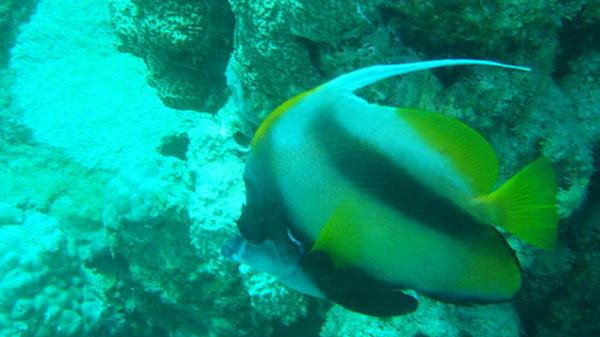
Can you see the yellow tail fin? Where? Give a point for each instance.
(526, 204)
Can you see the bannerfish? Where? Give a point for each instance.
(356, 202)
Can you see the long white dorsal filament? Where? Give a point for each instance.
(363, 77)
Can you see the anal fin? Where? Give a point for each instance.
(357, 291)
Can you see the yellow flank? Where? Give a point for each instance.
(470, 153)
(266, 124)
(361, 234)
(492, 269)
(341, 236)
(526, 204)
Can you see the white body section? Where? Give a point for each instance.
(307, 179)
(296, 158)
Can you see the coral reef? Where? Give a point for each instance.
(141, 201)
(432, 319)
(167, 222)
(146, 217)
(185, 45)
(116, 228)
(271, 299)
(71, 48)
(50, 230)
(46, 290)
(216, 160)
(152, 224)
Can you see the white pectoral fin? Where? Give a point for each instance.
(300, 281)
(360, 78)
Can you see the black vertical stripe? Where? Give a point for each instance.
(376, 174)
(264, 216)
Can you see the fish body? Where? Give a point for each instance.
(375, 200)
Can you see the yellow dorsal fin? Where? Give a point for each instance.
(268, 122)
(341, 236)
(526, 204)
(470, 153)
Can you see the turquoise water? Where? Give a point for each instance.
(125, 126)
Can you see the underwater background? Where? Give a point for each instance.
(124, 126)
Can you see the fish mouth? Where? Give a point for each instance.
(233, 249)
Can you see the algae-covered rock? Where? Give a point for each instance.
(572, 269)
(185, 45)
(268, 64)
(432, 319)
(271, 300)
(12, 130)
(168, 221)
(561, 296)
(516, 31)
(330, 20)
(12, 14)
(526, 115)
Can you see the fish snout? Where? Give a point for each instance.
(233, 249)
